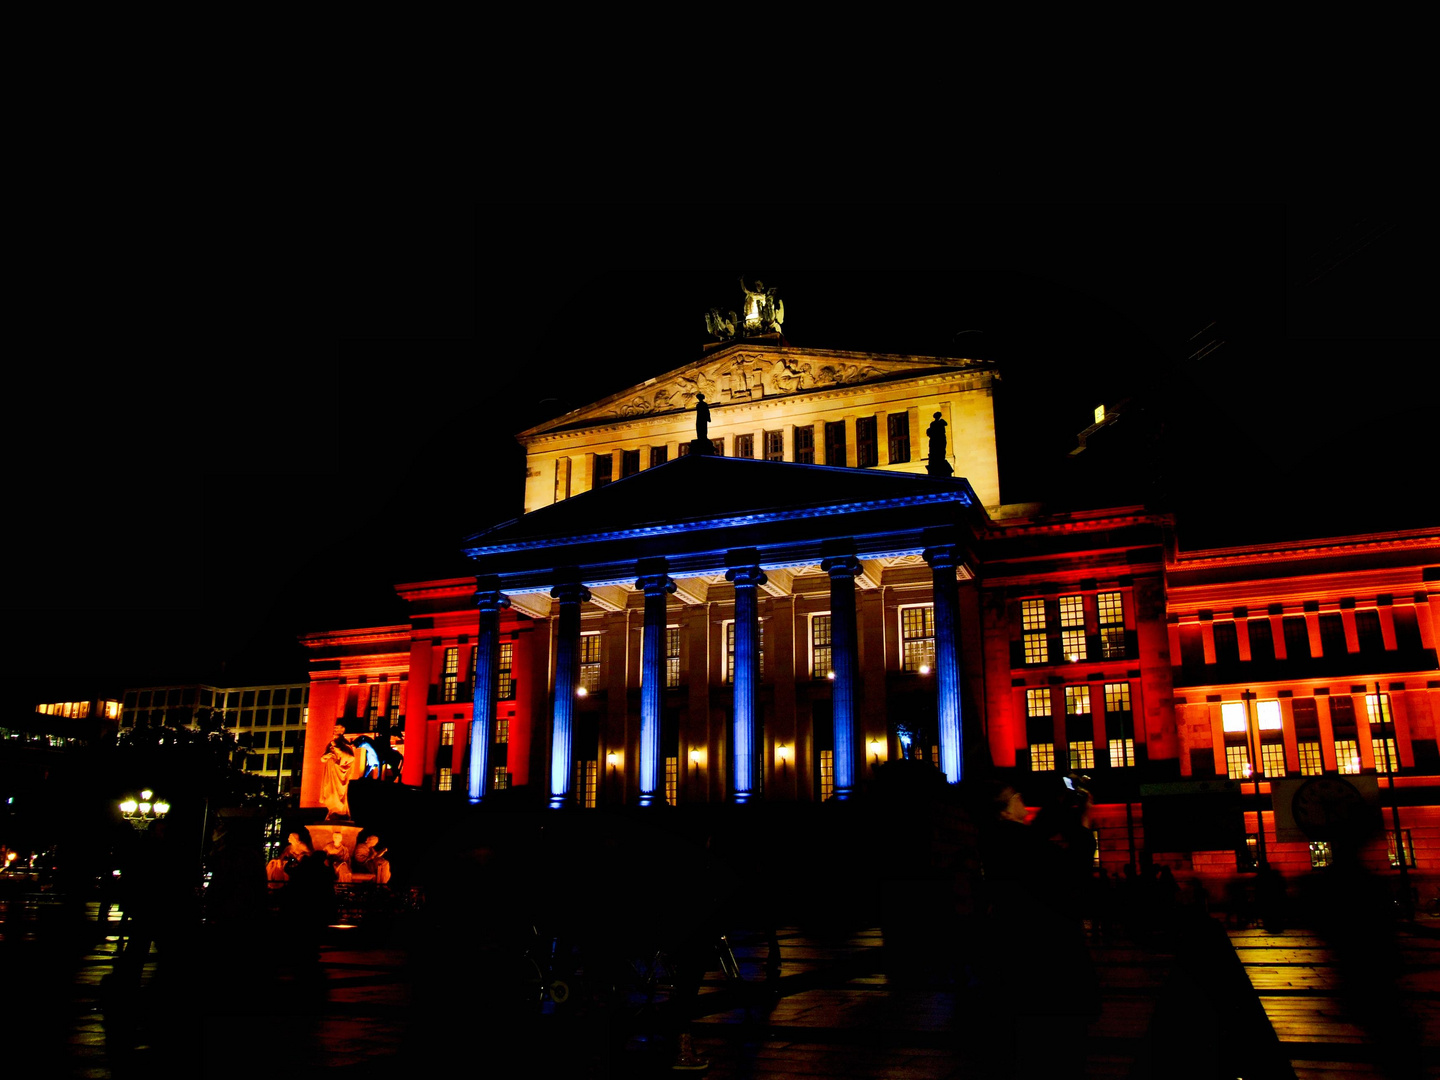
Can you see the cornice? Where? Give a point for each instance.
(328, 638)
(1310, 549)
(421, 590)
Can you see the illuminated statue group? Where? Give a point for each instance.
(760, 313)
(366, 862)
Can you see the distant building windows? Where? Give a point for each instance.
(1377, 707)
(1367, 629)
(502, 778)
(1297, 638)
(899, 433)
(443, 779)
(587, 777)
(820, 659)
(629, 462)
(730, 649)
(867, 450)
(718, 445)
(1042, 757)
(604, 464)
(396, 696)
(1037, 702)
(502, 730)
(1272, 759)
(1347, 756)
(827, 774)
(372, 708)
(1122, 753)
(450, 679)
(1227, 642)
(1233, 718)
(917, 637)
(659, 455)
(1077, 701)
(1312, 761)
(835, 442)
(682, 450)
(1268, 715)
(805, 444)
(506, 691)
(672, 657)
(1405, 845)
(1320, 856)
(1117, 697)
(1072, 627)
(447, 733)
(745, 446)
(590, 661)
(1032, 622)
(1111, 611)
(672, 780)
(1237, 762)
(1082, 754)
(774, 446)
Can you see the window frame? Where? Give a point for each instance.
(927, 622)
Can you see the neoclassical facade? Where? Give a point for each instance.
(820, 593)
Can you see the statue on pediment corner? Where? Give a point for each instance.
(719, 326)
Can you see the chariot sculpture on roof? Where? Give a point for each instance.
(760, 313)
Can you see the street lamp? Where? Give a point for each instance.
(141, 812)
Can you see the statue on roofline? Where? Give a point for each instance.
(760, 313)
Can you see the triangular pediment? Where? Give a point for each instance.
(745, 372)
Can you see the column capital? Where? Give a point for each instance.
(744, 576)
(488, 596)
(652, 577)
(841, 565)
(570, 592)
(942, 556)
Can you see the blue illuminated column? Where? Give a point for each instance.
(656, 585)
(570, 595)
(942, 562)
(845, 662)
(490, 600)
(747, 576)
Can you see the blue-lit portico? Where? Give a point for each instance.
(695, 551)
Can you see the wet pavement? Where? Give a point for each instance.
(830, 1009)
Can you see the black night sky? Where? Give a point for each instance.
(255, 484)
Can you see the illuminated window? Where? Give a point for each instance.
(1272, 759)
(590, 661)
(1347, 756)
(1386, 760)
(447, 733)
(507, 678)
(604, 464)
(1237, 762)
(1042, 757)
(1122, 753)
(1111, 609)
(1072, 611)
(827, 774)
(659, 455)
(1082, 754)
(442, 779)
(672, 656)
(718, 445)
(372, 709)
(805, 444)
(1077, 701)
(1319, 854)
(629, 462)
(1377, 706)
(1268, 715)
(1232, 717)
(1405, 846)
(867, 452)
(730, 648)
(502, 730)
(450, 683)
(835, 442)
(1117, 697)
(1032, 618)
(502, 778)
(1037, 702)
(1312, 761)
(1072, 644)
(672, 780)
(745, 446)
(898, 425)
(587, 776)
(820, 657)
(774, 446)
(917, 637)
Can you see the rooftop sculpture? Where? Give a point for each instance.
(760, 313)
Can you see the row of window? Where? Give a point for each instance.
(450, 678)
(1295, 640)
(1057, 628)
(232, 699)
(81, 709)
(772, 446)
(1270, 725)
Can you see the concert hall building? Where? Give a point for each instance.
(830, 581)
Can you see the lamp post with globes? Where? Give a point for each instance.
(145, 810)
